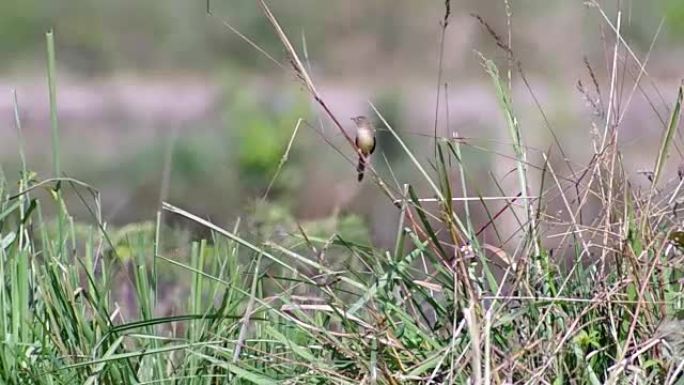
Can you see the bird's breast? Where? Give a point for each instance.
(365, 140)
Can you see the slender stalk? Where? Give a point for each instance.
(52, 87)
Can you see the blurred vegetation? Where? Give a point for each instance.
(99, 36)
(273, 298)
(233, 150)
(258, 129)
(674, 16)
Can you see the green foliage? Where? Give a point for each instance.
(261, 145)
(674, 11)
(20, 25)
(258, 130)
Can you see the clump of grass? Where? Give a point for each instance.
(442, 306)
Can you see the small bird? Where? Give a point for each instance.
(365, 142)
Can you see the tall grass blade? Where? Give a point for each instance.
(52, 87)
(520, 154)
(666, 142)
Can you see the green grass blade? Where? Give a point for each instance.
(52, 86)
(666, 142)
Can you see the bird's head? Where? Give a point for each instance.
(360, 120)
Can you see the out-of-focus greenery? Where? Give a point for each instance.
(21, 23)
(674, 11)
(258, 129)
(97, 36)
(273, 219)
(393, 109)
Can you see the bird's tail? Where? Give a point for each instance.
(361, 167)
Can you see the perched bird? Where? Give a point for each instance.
(365, 142)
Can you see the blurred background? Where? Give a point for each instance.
(158, 100)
